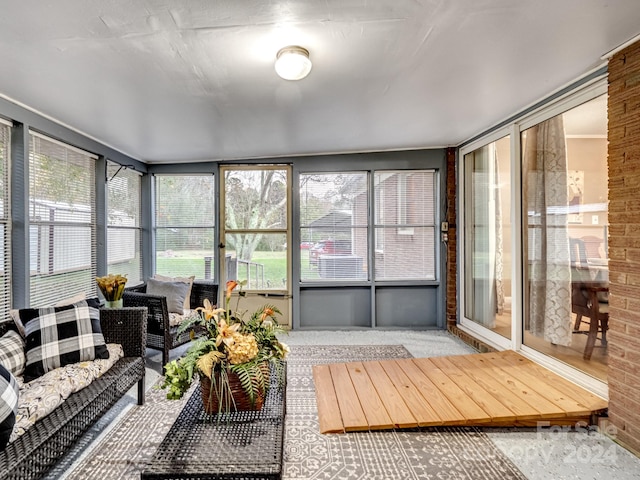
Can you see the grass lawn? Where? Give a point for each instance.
(193, 263)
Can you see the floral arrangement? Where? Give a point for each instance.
(111, 286)
(231, 344)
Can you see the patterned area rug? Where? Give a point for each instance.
(444, 453)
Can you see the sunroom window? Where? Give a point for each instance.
(123, 223)
(62, 221)
(185, 225)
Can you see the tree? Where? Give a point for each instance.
(254, 200)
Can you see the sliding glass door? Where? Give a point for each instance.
(542, 214)
(487, 235)
(565, 259)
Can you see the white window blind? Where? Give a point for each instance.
(123, 223)
(185, 225)
(62, 238)
(334, 218)
(405, 230)
(5, 234)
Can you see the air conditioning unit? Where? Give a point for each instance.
(340, 266)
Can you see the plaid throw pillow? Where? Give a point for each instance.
(9, 391)
(12, 352)
(58, 336)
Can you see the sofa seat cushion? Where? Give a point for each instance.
(43, 395)
(176, 319)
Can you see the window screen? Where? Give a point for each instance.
(333, 226)
(255, 216)
(123, 223)
(5, 235)
(405, 230)
(185, 225)
(62, 240)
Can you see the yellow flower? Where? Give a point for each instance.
(111, 286)
(226, 332)
(209, 311)
(244, 349)
(283, 349)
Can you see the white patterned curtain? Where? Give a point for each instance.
(486, 225)
(546, 173)
(499, 288)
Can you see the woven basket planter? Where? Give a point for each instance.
(241, 400)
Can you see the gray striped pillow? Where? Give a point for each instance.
(12, 352)
(9, 392)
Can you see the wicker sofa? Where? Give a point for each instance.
(160, 334)
(33, 453)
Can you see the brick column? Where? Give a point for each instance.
(452, 273)
(624, 245)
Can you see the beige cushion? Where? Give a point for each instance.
(43, 395)
(15, 313)
(176, 319)
(189, 280)
(71, 300)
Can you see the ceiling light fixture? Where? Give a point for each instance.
(292, 62)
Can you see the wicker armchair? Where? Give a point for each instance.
(160, 335)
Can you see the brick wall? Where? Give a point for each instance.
(452, 274)
(624, 245)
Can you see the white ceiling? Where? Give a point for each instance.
(193, 80)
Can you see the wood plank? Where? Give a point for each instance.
(400, 414)
(496, 410)
(546, 408)
(405, 393)
(329, 416)
(431, 394)
(570, 389)
(525, 372)
(484, 376)
(353, 417)
(372, 405)
(465, 405)
(421, 410)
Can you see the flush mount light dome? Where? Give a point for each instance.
(292, 62)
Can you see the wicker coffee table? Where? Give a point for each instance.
(239, 445)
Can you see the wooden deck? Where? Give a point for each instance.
(487, 389)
